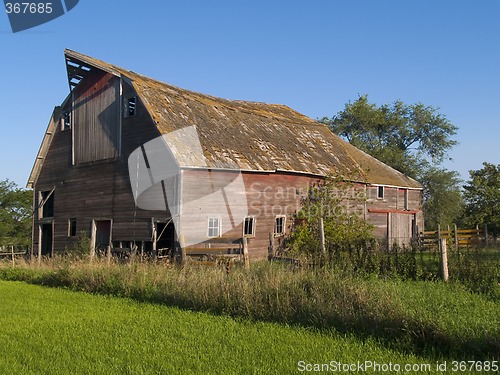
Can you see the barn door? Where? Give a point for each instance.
(401, 229)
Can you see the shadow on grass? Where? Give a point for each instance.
(303, 302)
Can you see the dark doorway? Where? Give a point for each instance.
(102, 235)
(46, 239)
(165, 236)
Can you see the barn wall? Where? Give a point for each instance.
(265, 195)
(271, 194)
(99, 190)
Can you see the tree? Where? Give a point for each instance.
(339, 204)
(482, 197)
(443, 202)
(15, 214)
(414, 139)
(403, 136)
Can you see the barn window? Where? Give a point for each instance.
(214, 227)
(407, 203)
(72, 227)
(279, 225)
(46, 203)
(66, 121)
(249, 226)
(131, 107)
(380, 192)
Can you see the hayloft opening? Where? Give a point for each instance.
(46, 199)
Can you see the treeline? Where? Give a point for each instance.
(415, 139)
(15, 214)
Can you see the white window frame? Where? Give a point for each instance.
(252, 234)
(282, 233)
(213, 227)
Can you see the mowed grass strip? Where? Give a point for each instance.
(55, 331)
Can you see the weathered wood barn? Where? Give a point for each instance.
(88, 174)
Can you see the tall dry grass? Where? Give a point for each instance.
(323, 299)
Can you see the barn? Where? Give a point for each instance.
(137, 163)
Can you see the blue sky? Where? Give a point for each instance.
(313, 56)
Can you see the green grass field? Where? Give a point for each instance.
(55, 331)
(152, 318)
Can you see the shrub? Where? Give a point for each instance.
(337, 202)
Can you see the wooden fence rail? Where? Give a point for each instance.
(13, 251)
(455, 237)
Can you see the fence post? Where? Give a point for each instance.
(245, 253)
(456, 236)
(444, 258)
(322, 235)
(271, 246)
(13, 258)
(485, 233)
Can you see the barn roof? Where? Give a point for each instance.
(245, 135)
